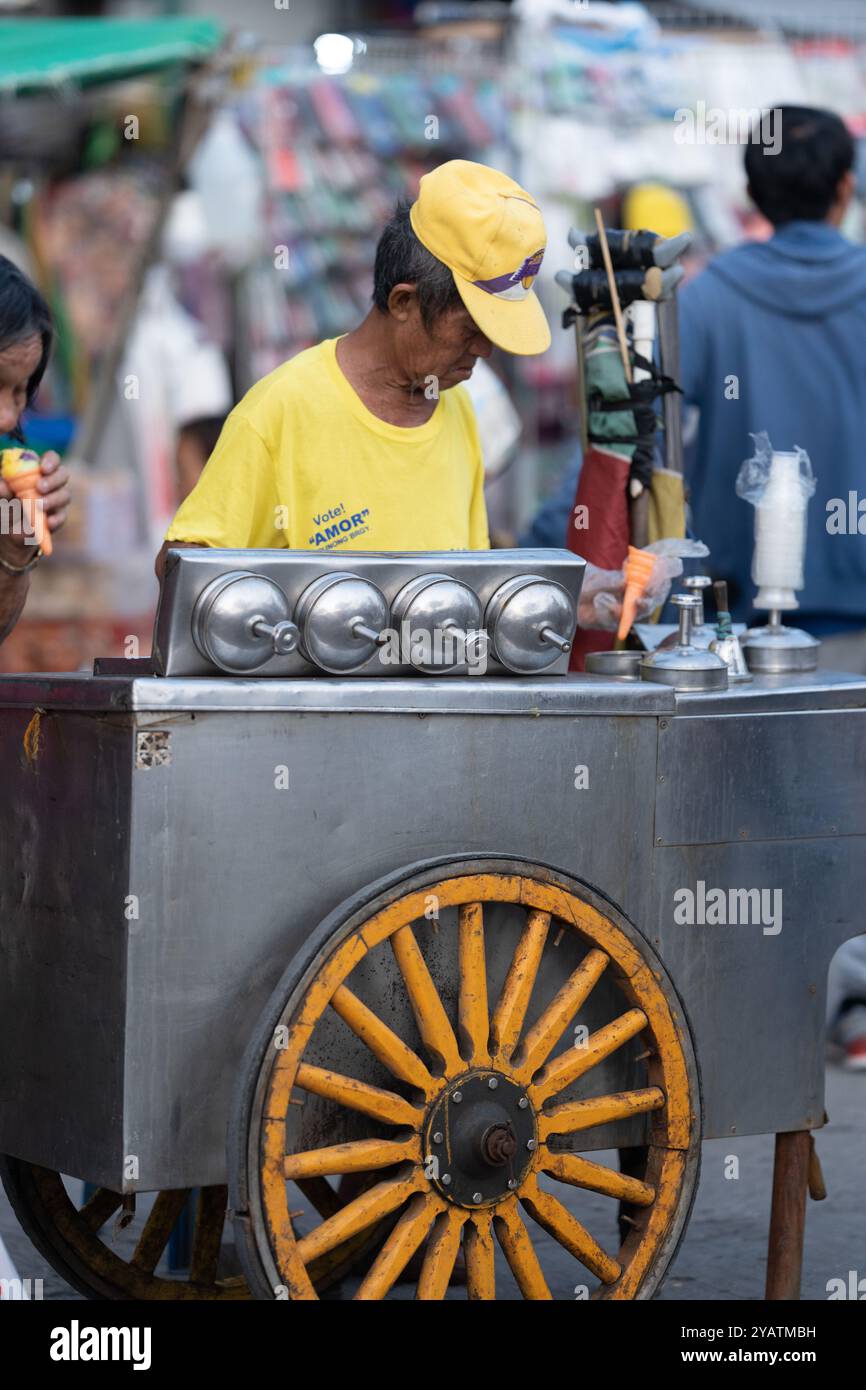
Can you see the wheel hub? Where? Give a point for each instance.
(480, 1139)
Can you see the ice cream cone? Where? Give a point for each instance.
(638, 570)
(19, 469)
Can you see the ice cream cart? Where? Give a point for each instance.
(383, 960)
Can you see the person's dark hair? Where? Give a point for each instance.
(23, 314)
(402, 259)
(204, 430)
(800, 181)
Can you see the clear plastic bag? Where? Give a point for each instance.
(602, 590)
(778, 485)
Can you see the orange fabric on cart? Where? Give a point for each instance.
(602, 490)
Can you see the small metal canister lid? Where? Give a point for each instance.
(522, 615)
(224, 615)
(685, 669)
(329, 614)
(437, 602)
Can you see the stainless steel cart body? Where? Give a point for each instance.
(170, 843)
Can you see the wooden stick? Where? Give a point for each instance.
(581, 385)
(614, 295)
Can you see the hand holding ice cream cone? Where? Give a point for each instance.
(42, 486)
(20, 471)
(616, 599)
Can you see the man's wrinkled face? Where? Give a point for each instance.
(445, 353)
(18, 362)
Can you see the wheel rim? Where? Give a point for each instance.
(494, 1164)
(77, 1241)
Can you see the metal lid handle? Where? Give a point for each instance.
(284, 636)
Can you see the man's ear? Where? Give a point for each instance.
(402, 301)
(845, 189)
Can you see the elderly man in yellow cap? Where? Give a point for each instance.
(367, 442)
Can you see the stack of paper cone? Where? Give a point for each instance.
(19, 469)
(638, 570)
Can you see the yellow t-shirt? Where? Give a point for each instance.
(302, 463)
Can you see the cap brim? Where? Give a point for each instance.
(515, 325)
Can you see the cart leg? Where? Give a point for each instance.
(788, 1215)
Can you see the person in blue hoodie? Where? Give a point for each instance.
(772, 339)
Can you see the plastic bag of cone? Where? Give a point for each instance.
(637, 572)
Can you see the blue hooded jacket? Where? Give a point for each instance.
(787, 318)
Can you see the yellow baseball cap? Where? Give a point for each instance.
(654, 205)
(490, 233)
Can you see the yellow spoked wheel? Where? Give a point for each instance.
(107, 1253)
(487, 1007)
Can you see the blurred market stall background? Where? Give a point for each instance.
(198, 188)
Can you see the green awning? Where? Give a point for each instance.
(38, 54)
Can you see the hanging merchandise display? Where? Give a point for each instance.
(92, 126)
(336, 154)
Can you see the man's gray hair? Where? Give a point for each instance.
(402, 259)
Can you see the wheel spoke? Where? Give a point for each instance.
(513, 1002)
(356, 1216)
(209, 1222)
(441, 1255)
(381, 1105)
(391, 1050)
(545, 1034)
(473, 1010)
(478, 1248)
(554, 1218)
(404, 1240)
(158, 1227)
(357, 1156)
(599, 1110)
(580, 1172)
(520, 1253)
(98, 1207)
(433, 1023)
(566, 1068)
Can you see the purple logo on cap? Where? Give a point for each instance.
(518, 283)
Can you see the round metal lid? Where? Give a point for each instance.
(686, 668)
(616, 665)
(773, 650)
(340, 617)
(531, 621)
(434, 605)
(225, 615)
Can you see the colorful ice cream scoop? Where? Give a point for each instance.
(19, 469)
